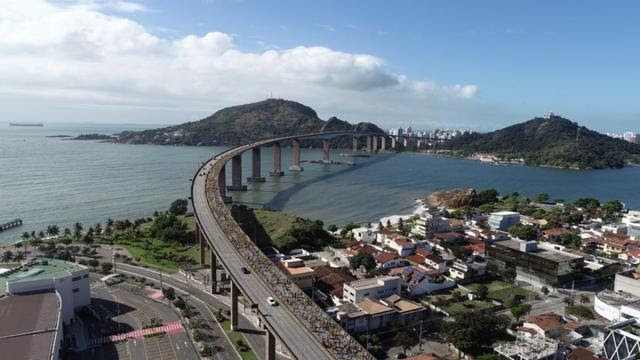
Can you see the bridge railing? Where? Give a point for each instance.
(329, 333)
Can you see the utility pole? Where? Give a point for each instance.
(113, 259)
(161, 288)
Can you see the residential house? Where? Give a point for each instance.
(296, 271)
(435, 262)
(364, 234)
(389, 260)
(330, 281)
(462, 270)
(615, 243)
(374, 288)
(547, 324)
(417, 281)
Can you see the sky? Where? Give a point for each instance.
(426, 64)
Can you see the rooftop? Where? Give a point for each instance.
(504, 213)
(553, 255)
(38, 269)
(372, 283)
(29, 325)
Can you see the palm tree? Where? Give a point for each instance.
(41, 234)
(77, 230)
(7, 256)
(67, 232)
(98, 228)
(25, 236)
(53, 230)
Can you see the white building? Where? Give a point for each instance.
(375, 288)
(429, 224)
(364, 234)
(503, 220)
(69, 280)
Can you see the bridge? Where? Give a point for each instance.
(301, 326)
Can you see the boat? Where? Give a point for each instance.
(26, 124)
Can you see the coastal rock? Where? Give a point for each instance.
(451, 199)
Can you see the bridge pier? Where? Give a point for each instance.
(383, 143)
(200, 240)
(419, 143)
(393, 142)
(214, 272)
(354, 143)
(270, 345)
(236, 175)
(369, 141)
(405, 141)
(277, 160)
(234, 306)
(255, 166)
(296, 156)
(375, 144)
(222, 185)
(325, 151)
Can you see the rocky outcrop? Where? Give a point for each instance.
(335, 124)
(451, 199)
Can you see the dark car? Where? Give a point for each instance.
(245, 270)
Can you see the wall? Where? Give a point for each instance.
(627, 285)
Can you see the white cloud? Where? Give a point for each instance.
(78, 53)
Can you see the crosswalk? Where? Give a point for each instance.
(169, 328)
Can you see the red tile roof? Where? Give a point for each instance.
(546, 321)
(385, 257)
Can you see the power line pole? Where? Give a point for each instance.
(420, 345)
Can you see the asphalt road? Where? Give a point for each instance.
(254, 336)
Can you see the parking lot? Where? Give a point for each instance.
(126, 309)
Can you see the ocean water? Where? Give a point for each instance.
(47, 180)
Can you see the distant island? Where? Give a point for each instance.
(244, 124)
(550, 141)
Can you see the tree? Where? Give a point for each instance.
(167, 227)
(545, 290)
(7, 256)
(362, 259)
(77, 230)
(169, 293)
(587, 203)
(93, 263)
(53, 230)
(380, 226)
(179, 207)
(41, 234)
(25, 236)
(524, 232)
(405, 340)
(571, 240)
(106, 267)
(542, 197)
(332, 228)
(98, 229)
(487, 196)
(519, 310)
(475, 332)
(388, 223)
(613, 207)
(482, 291)
(67, 232)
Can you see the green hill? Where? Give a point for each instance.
(553, 141)
(243, 124)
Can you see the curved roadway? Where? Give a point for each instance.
(304, 329)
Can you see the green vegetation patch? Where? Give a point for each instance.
(503, 291)
(236, 338)
(466, 306)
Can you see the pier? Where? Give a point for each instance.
(10, 224)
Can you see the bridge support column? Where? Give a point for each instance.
(222, 185)
(270, 345)
(325, 151)
(405, 141)
(255, 166)
(419, 143)
(354, 142)
(234, 306)
(375, 144)
(200, 239)
(277, 160)
(383, 143)
(369, 141)
(393, 142)
(296, 156)
(236, 175)
(214, 272)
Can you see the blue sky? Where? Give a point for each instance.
(484, 64)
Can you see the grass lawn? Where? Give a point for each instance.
(466, 306)
(235, 336)
(277, 224)
(9, 265)
(501, 291)
(151, 255)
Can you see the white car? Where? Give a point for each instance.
(271, 301)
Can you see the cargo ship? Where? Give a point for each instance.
(26, 124)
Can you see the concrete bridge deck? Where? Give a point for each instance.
(302, 327)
